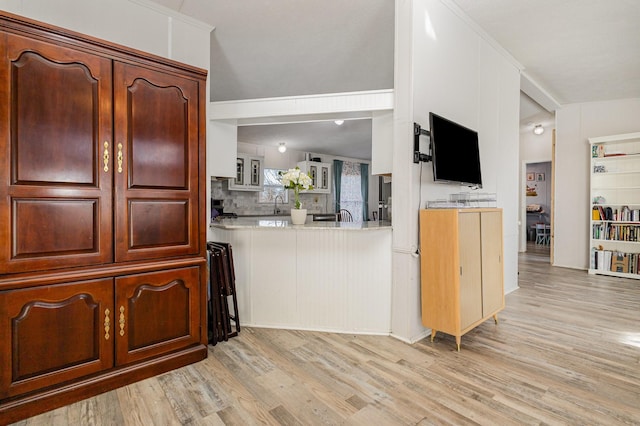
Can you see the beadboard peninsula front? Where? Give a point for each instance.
(323, 276)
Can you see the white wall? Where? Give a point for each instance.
(575, 123)
(455, 73)
(139, 24)
(535, 148)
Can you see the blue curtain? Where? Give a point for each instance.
(337, 181)
(364, 187)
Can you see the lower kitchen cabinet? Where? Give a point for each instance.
(63, 332)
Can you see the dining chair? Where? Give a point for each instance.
(542, 233)
(344, 215)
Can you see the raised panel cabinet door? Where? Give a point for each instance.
(157, 312)
(470, 269)
(56, 156)
(156, 172)
(492, 263)
(54, 333)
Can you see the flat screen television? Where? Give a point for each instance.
(455, 152)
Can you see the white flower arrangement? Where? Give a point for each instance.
(297, 180)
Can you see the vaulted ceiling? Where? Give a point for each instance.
(575, 50)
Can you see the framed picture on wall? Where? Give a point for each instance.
(540, 177)
(531, 176)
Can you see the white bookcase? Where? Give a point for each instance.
(615, 205)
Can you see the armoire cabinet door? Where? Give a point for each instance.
(55, 333)
(56, 127)
(157, 312)
(156, 173)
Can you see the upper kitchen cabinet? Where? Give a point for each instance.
(320, 174)
(222, 147)
(249, 174)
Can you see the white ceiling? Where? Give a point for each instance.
(351, 139)
(575, 50)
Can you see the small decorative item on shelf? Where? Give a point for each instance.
(296, 180)
(597, 151)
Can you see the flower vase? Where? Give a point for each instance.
(298, 216)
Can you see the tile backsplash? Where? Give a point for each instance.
(246, 202)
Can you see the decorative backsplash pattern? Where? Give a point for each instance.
(246, 203)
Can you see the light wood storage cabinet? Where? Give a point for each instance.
(102, 216)
(461, 269)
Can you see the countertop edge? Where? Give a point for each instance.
(280, 225)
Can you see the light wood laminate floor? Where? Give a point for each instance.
(566, 351)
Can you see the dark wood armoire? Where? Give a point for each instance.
(102, 216)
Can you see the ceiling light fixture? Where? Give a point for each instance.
(538, 129)
(282, 148)
(339, 122)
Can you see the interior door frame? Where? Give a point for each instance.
(523, 200)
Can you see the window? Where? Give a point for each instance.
(351, 191)
(273, 188)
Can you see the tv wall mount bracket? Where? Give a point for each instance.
(417, 155)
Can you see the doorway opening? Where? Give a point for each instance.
(538, 196)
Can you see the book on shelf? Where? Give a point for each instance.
(625, 214)
(619, 262)
(616, 232)
(615, 261)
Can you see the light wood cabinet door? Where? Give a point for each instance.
(492, 263)
(54, 333)
(156, 170)
(157, 312)
(470, 269)
(56, 196)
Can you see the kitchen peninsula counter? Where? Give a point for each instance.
(266, 222)
(324, 276)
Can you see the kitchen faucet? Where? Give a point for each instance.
(276, 210)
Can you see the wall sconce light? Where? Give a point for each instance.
(282, 148)
(338, 122)
(538, 129)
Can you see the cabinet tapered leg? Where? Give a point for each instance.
(433, 334)
(458, 339)
(495, 318)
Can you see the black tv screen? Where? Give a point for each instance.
(456, 157)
